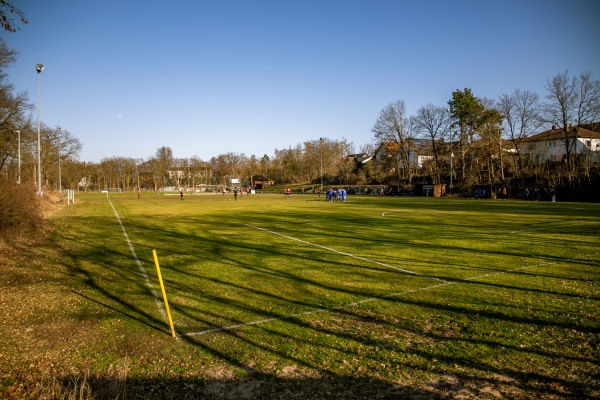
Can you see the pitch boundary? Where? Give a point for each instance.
(140, 266)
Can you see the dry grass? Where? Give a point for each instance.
(22, 212)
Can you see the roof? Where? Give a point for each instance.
(558, 134)
(594, 126)
(360, 157)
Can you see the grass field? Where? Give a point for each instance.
(378, 297)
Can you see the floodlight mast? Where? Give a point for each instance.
(59, 175)
(451, 155)
(39, 68)
(19, 153)
(321, 148)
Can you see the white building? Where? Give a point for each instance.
(550, 145)
(417, 156)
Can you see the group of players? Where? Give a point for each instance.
(335, 195)
(330, 195)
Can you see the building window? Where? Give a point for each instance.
(588, 143)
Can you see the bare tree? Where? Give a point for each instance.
(251, 169)
(13, 109)
(57, 144)
(312, 159)
(79, 175)
(489, 128)
(164, 161)
(432, 122)
(587, 99)
(521, 111)
(265, 164)
(6, 10)
(229, 164)
(393, 131)
(12, 118)
(198, 170)
(572, 101)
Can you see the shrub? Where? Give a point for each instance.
(21, 215)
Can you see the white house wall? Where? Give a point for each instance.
(554, 150)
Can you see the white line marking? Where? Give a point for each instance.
(343, 253)
(356, 303)
(159, 305)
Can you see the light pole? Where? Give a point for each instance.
(321, 149)
(39, 68)
(19, 152)
(451, 155)
(59, 175)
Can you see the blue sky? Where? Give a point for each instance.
(210, 77)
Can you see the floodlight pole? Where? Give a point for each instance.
(59, 175)
(39, 68)
(19, 152)
(451, 155)
(321, 149)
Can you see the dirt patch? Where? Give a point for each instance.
(51, 202)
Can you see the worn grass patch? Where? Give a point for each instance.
(377, 297)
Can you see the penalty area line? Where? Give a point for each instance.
(139, 264)
(406, 271)
(305, 313)
(356, 303)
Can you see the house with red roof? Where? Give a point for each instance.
(550, 145)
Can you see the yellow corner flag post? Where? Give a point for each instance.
(164, 294)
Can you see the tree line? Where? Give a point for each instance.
(463, 142)
(483, 138)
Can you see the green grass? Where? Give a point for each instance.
(412, 296)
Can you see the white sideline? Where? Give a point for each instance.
(159, 304)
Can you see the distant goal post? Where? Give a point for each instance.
(202, 188)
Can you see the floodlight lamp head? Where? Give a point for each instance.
(39, 68)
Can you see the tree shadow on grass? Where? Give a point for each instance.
(261, 385)
(270, 387)
(125, 314)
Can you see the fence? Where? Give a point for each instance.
(69, 194)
